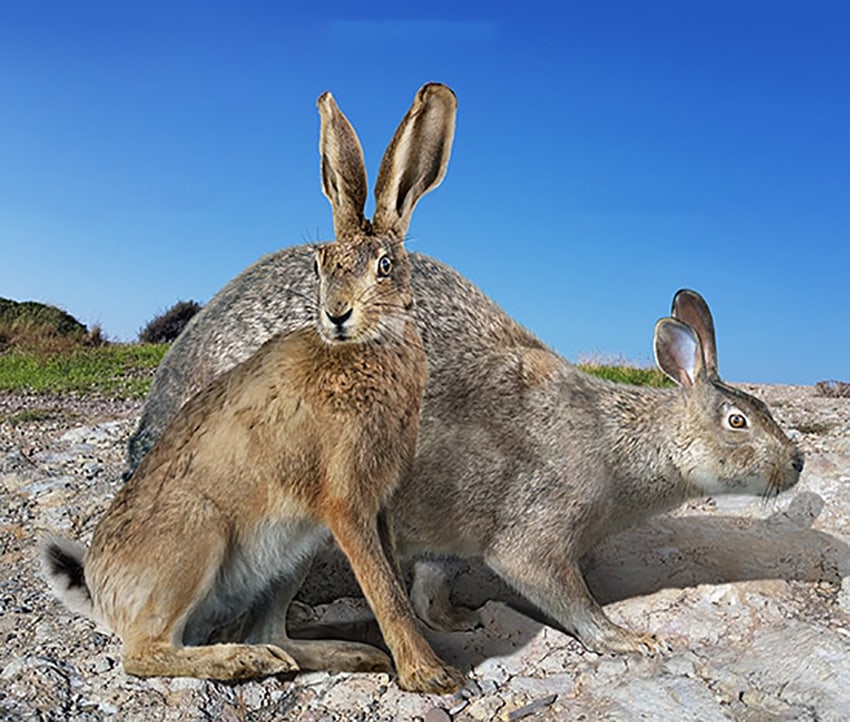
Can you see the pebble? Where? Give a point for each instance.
(437, 714)
(532, 708)
(749, 638)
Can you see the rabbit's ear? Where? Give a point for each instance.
(691, 308)
(415, 160)
(678, 353)
(343, 169)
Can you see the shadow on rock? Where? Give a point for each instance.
(677, 552)
(665, 552)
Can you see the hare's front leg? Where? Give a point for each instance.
(419, 669)
(553, 582)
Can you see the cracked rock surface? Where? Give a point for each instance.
(753, 596)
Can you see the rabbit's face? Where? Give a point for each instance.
(364, 289)
(738, 448)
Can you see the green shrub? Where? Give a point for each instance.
(30, 322)
(166, 327)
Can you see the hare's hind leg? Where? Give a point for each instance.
(269, 625)
(419, 669)
(554, 583)
(151, 599)
(216, 661)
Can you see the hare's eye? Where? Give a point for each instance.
(737, 421)
(385, 265)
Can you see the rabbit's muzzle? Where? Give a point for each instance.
(786, 476)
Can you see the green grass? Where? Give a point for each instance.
(627, 374)
(115, 370)
(126, 370)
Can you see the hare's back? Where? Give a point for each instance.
(277, 294)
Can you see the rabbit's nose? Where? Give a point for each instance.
(797, 462)
(339, 320)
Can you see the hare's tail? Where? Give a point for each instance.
(62, 564)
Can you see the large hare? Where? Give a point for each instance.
(310, 434)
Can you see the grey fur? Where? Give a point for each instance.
(522, 459)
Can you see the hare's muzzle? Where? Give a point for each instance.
(336, 325)
(339, 321)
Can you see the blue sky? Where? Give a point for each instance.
(606, 154)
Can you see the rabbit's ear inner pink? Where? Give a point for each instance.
(343, 169)
(416, 159)
(678, 352)
(691, 308)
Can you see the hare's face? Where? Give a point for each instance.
(364, 289)
(737, 447)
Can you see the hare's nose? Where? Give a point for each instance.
(797, 462)
(339, 320)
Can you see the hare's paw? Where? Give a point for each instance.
(263, 660)
(618, 640)
(353, 657)
(431, 679)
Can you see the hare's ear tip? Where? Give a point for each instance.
(687, 296)
(324, 99)
(434, 88)
(683, 292)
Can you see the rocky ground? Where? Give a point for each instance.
(754, 597)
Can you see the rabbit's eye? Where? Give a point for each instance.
(385, 265)
(737, 421)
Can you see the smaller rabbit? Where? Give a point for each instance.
(309, 435)
(590, 458)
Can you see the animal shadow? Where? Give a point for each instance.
(663, 553)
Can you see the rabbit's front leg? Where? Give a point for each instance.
(419, 669)
(553, 582)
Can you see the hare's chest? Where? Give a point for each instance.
(368, 389)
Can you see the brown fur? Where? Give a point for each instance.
(312, 433)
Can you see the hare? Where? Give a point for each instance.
(522, 459)
(308, 436)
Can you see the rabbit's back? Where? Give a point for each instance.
(459, 325)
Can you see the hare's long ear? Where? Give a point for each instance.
(415, 160)
(678, 352)
(343, 169)
(691, 308)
